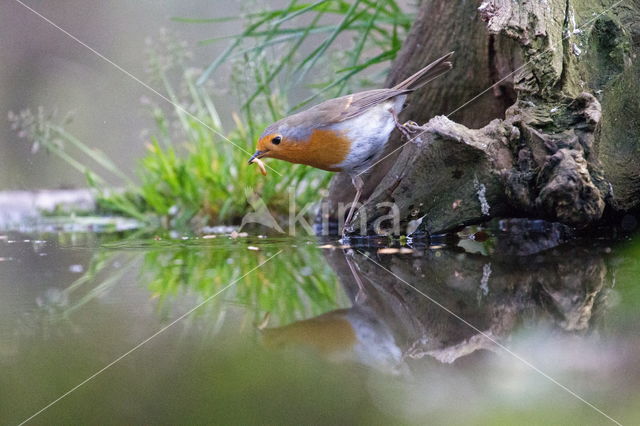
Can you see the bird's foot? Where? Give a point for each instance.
(348, 230)
(404, 130)
(401, 127)
(413, 127)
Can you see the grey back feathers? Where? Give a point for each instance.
(299, 126)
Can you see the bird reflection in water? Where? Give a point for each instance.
(520, 274)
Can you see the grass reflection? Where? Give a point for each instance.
(295, 284)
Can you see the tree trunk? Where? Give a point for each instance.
(555, 136)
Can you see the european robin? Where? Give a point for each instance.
(354, 334)
(357, 333)
(346, 134)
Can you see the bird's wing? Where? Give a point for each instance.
(361, 102)
(343, 108)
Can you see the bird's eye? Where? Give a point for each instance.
(276, 140)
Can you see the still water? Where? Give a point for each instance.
(510, 324)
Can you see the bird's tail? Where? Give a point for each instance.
(426, 74)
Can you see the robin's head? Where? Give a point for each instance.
(274, 142)
(302, 144)
(269, 145)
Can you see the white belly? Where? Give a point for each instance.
(369, 132)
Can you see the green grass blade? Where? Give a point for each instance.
(218, 61)
(299, 12)
(97, 156)
(311, 60)
(286, 60)
(362, 41)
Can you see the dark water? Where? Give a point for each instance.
(506, 325)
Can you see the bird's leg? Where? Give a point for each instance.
(358, 183)
(399, 126)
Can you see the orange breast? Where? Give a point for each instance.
(324, 150)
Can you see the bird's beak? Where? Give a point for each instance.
(257, 154)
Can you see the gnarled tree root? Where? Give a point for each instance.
(566, 146)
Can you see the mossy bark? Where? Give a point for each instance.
(557, 136)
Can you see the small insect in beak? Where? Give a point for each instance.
(255, 155)
(255, 158)
(261, 166)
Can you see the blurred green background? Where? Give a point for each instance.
(41, 66)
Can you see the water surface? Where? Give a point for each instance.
(505, 324)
